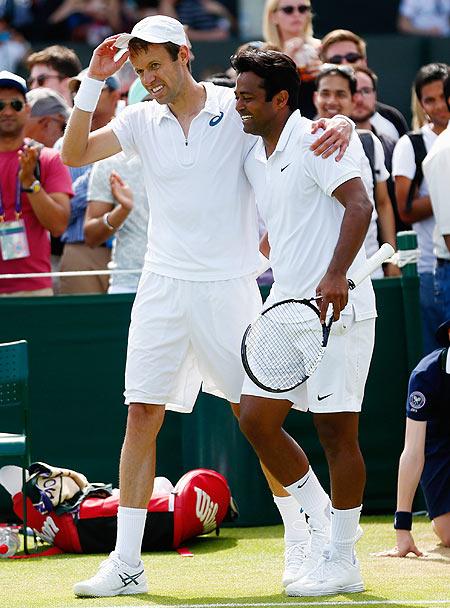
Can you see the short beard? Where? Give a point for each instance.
(364, 117)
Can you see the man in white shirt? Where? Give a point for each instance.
(335, 94)
(412, 193)
(436, 167)
(317, 217)
(202, 252)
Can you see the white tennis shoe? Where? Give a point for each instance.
(332, 575)
(295, 555)
(114, 577)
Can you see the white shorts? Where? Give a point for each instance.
(338, 383)
(185, 333)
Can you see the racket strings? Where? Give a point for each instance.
(284, 346)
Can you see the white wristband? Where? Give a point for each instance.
(88, 94)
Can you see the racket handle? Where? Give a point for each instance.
(385, 252)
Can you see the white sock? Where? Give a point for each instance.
(130, 530)
(296, 530)
(344, 524)
(313, 499)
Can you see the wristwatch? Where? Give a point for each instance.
(34, 188)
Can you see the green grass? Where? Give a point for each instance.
(242, 566)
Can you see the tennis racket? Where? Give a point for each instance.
(285, 344)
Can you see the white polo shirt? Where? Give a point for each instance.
(203, 223)
(436, 168)
(403, 163)
(294, 197)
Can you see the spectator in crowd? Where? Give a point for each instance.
(48, 116)
(288, 26)
(436, 167)
(204, 19)
(118, 206)
(429, 18)
(426, 455)
(13, 47)
(53, 67)
(412, 193)
(364, 107)
(336, 90)
(345, 47)
(35, 188)
(77, 255)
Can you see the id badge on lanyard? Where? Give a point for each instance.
(13, 234)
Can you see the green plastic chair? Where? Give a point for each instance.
(14, 413)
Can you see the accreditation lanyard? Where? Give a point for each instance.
(13, 235)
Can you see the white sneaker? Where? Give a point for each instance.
(114, 577)
(332, 575)
(319, 540)
(294, 556)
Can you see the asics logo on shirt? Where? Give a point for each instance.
(130, 578)
(215, 120)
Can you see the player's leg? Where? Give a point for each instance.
(122, 573)
(297, 534)
(335, 396)
(441, 527)
(157, 358)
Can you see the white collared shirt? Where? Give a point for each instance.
(203, 223)
(436, 168)
(294, 196)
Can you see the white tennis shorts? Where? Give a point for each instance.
(185, 335)
(338, 383)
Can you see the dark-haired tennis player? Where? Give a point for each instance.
(316, 214)
(198, 291)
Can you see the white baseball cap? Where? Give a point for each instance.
(156, 29)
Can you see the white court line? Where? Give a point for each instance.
(421, 603)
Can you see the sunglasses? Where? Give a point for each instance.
(349, 57)
(301, 8)
(42, 79)
(15, 104)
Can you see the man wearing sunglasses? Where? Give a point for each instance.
(35, 188)
(53, 67)
(343, 47)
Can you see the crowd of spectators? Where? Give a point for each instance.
(107, 206)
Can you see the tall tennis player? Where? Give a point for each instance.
(317, 214)
(198, 291)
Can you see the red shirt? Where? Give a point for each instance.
(55, 177)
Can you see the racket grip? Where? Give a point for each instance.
(384, 253)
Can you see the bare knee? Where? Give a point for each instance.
(145, 420)
(338, 433)
(441, 526)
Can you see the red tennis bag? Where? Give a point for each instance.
(198, 504)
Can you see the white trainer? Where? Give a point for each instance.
(294, 556)
(319, 540)
(332, 575)
(114, 577)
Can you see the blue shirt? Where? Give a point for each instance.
(80, 180)
(429, 400)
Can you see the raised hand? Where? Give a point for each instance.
(102, 64)
(121, 191)
(28, 157)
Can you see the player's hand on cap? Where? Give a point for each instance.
(332, 289)
(102, 64)
(335, 137)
